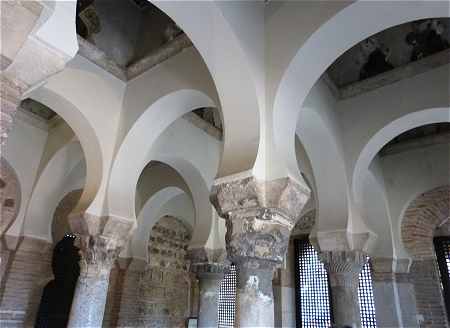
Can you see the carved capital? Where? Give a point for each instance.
(10, 96)
(259, 216)
(214, 271)
(100, 241)
(343, 267)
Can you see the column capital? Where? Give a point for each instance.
(101, 238)
(260, 215)
(343, 267)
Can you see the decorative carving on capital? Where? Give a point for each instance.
(260, 216)
(343, 267)
(101, 239)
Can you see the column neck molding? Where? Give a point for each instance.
(343, 267)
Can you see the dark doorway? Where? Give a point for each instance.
(54, 309)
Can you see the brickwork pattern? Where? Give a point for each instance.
(27, 271)
(422, 217)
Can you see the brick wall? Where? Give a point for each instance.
(27, 270)
(422, 217)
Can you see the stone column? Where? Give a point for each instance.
(259, 218)
(101, 240)
(343, 269)
(210, 276)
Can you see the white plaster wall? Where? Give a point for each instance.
(185, 70)
(362, 117)
(23, 151)
(408, 174)
(64, 172)
(89, 99)
(319, 131)
(375, 211)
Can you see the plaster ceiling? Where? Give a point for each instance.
(392, 48)
(125, 30)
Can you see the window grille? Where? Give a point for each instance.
(313, 293)
(227, 300)
(365, 296)
(313, 306)
(442, 246)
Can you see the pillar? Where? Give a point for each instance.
(210, 276)
(343, 269)
(100, 240)
(259, 217)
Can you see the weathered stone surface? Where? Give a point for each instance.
(343, 269)
(9, 196)
(259, 216)
(100, 241)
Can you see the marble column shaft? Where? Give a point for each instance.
(259, 217)
(100, 240)
(343, 269)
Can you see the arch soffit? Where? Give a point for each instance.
(213, 38)
(133, 153)
(294, 87)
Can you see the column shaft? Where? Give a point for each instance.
(255, 307)
(89, 301)
(209, 285)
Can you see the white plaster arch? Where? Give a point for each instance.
(133, 153)
(200, 197)
(86, 135)
(65, 172)
(231, 69)
(337, 35)
(386, 134)
(148, 217)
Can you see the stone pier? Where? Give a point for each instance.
(100, 240)
(259, 218)
(209, 275)
(343, 269)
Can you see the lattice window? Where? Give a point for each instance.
(442, 246)
(313, 293)
(227, 300)
(313, 306)
(365, 295)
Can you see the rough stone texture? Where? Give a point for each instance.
(100, 241)
(163, 53)
(423, 215)
(9, 195)
(343, 269)
(9, 101)
(424, 275)
(27, 269)
(260, 216)
(25, 61)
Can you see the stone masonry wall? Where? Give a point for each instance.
(157, 293)
(27, 270)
